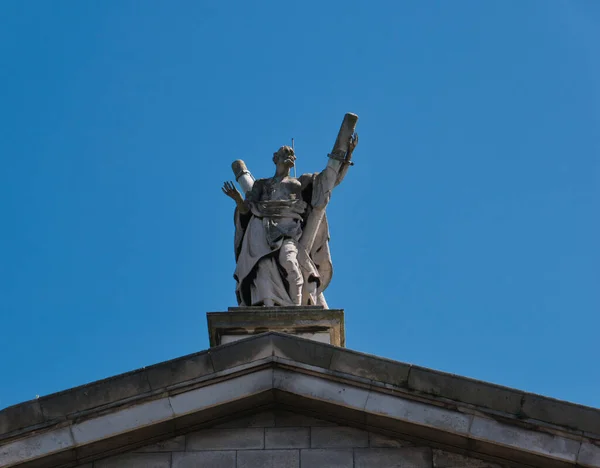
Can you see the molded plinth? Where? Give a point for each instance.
(311, 322)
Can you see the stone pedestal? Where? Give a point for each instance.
(311, 322)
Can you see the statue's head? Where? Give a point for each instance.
(285, 156)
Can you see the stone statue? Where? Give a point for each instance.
(281, 231)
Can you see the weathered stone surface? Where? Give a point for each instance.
(179, 370)
(127, 419)
(589, 455)
(287, 437)
(268, 459)
(384, 457)
(466, 390)
(309, 322)
(210, 459)
(329, 458)
(537, 442)
(226, 439)
(222, 392)
(562, 413)
(307, 352)
(313, 391)
(370, 367)
(289, 419)
(293, 209)
(95, 394)
(136, 460)
(176, 444)
(263, 419)
(346, 415)
(443, 459)
(241, 352)
(20, 416)
(319, 389)
(383, 441)
(338, 437)
(37, 446)
(418, 413)
(206, 416)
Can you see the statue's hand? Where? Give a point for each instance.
(352, 142)
(230, 190)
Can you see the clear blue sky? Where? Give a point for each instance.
(465, 239)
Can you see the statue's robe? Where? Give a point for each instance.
(260, 233)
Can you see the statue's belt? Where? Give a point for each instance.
(279, 209)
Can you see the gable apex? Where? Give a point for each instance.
(359, 390)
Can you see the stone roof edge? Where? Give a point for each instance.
(273, 381)
(412, 381)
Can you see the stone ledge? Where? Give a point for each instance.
(347, 399)
(276, 309)
(412, 382)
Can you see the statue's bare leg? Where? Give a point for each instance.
(288, 259)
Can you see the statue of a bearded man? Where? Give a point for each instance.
(279, 262)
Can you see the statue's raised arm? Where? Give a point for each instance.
(282, 237)
(340, 159)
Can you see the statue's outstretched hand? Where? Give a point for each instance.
(230, 190)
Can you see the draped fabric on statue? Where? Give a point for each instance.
(257, 248)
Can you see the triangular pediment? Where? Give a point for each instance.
(282, 439)
(199, 394)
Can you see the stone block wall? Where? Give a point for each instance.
(278, 439)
